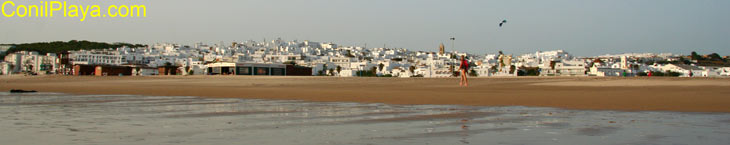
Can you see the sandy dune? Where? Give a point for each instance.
(630, 94)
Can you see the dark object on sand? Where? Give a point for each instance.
(22, 91)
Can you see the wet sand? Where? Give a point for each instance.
(56, 118)
(592, 93)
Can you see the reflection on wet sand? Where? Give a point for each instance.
(129, 119)
(457, 133)
(597, 130)
(441, 116)
(217, 114)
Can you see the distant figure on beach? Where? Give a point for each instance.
(463, 68)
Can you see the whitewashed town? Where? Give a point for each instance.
(306, 58)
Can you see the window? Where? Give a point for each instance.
(277, 71)
(243, 71)
(261, 71)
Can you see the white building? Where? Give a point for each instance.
(347, 73)
(433, 72)
(32, 62)
(4, 48)
(563, 68)
(683, 69)
(725, 71)
(5, 68)
(94, 57)
(483, 71)
(401, 72)
(603, 71)
(350, 60)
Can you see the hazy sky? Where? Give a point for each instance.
(581, 27)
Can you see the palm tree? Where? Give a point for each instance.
(324, 68)
(187, 69)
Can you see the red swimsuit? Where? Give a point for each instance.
(464, 64)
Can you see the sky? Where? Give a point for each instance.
(580, 27)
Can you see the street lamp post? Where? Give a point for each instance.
(453, 39)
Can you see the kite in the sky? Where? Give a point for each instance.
(502, 23)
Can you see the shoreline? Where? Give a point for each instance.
(461, 105)
(578, 93)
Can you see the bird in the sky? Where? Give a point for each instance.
(502, 23)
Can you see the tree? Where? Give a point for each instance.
(715, 57)
(59, 46)
(324, 68)
(380, 67)
(533, 72)
(473, 73)
(695, 56)
(672, 74)
(349, 54)
(412, 69)
(290, 62)
(339, 69)
(657, 73)
(373, 71)
(684, 61)
(188, 70)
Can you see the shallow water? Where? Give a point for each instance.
(53, 118)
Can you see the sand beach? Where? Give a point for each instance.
(591, 93)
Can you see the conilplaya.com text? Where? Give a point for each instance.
(49, 9)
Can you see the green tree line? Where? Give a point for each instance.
(60, 46)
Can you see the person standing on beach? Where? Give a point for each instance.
(463, 68)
